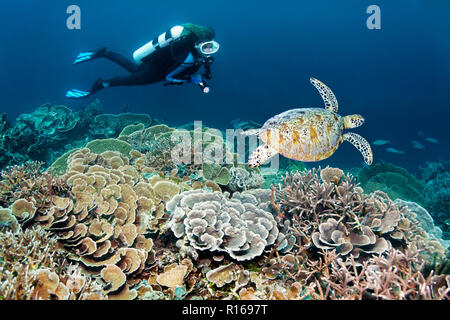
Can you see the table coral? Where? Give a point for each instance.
(397, 182)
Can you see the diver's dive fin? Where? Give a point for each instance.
(84, 56)
(87, 56)
(77, 94)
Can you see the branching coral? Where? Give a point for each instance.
(28, 186)
(341, 216)
(32, 266)
(389, 277)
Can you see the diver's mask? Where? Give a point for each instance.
(208, 48)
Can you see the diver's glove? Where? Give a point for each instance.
(207, 65)
(200, 83)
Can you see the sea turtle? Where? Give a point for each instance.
(308, 134)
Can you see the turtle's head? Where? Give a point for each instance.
(353, 121)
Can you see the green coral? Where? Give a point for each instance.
(216, 173)
(60, 165)
(110, 125)
(96, 146)
(145, 140)
(131, 129)
(397, 182)
(49, 119)
(101, 145)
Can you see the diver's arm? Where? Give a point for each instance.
(187, 63)
(207, 68)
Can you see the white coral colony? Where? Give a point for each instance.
(239, 226)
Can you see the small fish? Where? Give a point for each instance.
(393, 150)
(381, 142)
(417, 144)
(420, 134)
(432, 140)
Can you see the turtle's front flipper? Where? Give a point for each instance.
(331, 103)
(361, 144)
(261, 155)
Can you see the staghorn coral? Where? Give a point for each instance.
(333, 241)
(215, 222)
(390, 277)
(32, 266)
(27, 184)
(328, 215)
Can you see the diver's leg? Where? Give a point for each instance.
(121, 60)
(110, 55)
(142, 77)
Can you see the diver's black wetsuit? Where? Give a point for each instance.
(155, 67)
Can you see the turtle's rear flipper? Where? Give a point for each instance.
(261, 155)
(361, 144)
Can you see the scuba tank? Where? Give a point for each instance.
(174, 34)
(160, 42)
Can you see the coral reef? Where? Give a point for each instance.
(205, 160)
(425, 220)
(128, 211)
(50, 131)
(215, 222)
(436, 176)
(111, 125)
(397, 182)
(339, 215)
(32, 266)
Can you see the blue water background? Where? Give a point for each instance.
(396, 77)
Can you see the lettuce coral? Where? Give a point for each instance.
(215, 222)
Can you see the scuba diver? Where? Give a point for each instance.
(175, 57)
